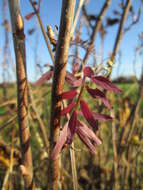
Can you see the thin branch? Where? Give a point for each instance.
(73, 161)
(10, 121)
(96, 29)
(120, 30)
(43, 31)
(38, 118)
(80, 4)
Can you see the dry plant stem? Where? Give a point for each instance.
(95, 30)
(73, 165)
(7, 103)
(73, 161)
(120, 30)
(135, 110)
(38, 118)
(11, 161)
(116, 184)
(10, 121)
(24, 133)
(61, 58)
(126, 137)
(132, 117)
(80, 4)
(5, 53)
(43, 31)
(5, 182)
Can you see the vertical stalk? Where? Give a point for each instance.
(57, 86)
(96, 29)
(5, 51)
(120, 30)
(24, 133)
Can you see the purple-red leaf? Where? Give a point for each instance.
(29, 16)
(68, 94)
(88, 115)
(82, 135)
(46, 76)
(72, 80)
(60, 142)
(88, 72)
(106, 84)
(75, 68)
(96, 93)
(72, 127)
(77, 82)
(68, 109)
(89, 133)
(102, 117)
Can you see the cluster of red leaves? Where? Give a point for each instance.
(74, 125)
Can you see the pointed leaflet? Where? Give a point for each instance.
(88, 115)
(89, 133)
(68, 94)
(101, 117)
(60, 142)
(106, 84)
(77, 82)
(96, 93)
(68, 109)
(82, 135)
(72, 80)
(46, 76)
(88, 72)
(72, 127)
(75, 68)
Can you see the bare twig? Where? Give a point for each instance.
(80, 4)
(38, 118)
(116, 185)
(96, 29)
(43, 31)
(73, 161)
(120, 30)
(6, 103)
(10, 121)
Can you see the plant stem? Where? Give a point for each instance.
(24, 133)
(95, 30)
(43, 31)
(57, 86)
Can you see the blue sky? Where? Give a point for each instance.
(50, 13)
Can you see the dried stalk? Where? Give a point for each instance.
(58, 84)
(7, 103)
(80, 4)
(10, 121)
(43, 31)
(131, 119)
(11, 164)
(120, 30)
(38, 118)
(24, 133)
(95, 30)
(72, 155)
(116, 184)
(5, 182)
(5, 52)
